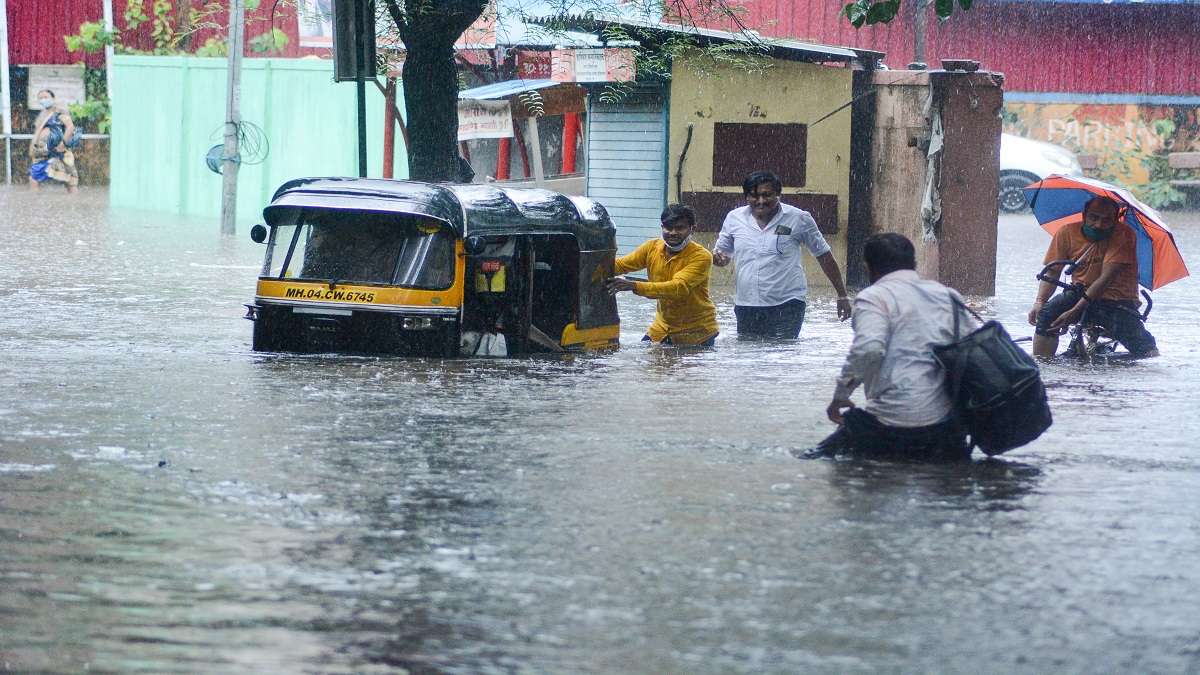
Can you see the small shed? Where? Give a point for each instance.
(693, 138)
(627, 160)
(522, 102)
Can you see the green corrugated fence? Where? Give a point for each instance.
(168, 111)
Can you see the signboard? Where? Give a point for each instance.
(589, 65)
(484, 119)
(533, 65)
(353, 40)
(65, 81)
(593, 65)
(316, 23)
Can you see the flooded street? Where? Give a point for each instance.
(171, 501)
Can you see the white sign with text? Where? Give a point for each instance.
(484, 119)
(65, 81)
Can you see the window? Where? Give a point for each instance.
(364, 247)
(740, 149)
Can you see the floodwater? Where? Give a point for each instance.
(171, 501)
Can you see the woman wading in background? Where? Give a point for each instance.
(54, 135)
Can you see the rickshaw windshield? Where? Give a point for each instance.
(363, 247)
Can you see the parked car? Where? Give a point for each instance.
(1024, 161)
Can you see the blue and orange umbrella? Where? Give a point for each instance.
(1058, 200)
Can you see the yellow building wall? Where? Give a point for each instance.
(788, 92)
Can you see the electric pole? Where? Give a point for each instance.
(230, 160)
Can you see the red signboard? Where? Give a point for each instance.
(533, 65)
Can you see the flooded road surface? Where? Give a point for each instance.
(172, 502)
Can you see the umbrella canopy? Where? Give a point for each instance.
(1058, 200)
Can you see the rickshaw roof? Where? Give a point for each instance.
(467, 208)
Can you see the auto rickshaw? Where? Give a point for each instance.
(372, 266)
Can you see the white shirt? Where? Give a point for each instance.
(897, 320)
(767, 259)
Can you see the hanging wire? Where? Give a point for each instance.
(253, 146)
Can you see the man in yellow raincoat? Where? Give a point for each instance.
(677, 269)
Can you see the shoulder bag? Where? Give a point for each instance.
(995, 385)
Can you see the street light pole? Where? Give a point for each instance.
(229, 155)
(108, 50)
(360, 77)
(5, 93)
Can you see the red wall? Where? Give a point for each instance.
(35, 35)
(1039, 46)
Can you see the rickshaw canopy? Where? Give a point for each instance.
(468, 209)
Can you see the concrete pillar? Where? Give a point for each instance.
(956, 246)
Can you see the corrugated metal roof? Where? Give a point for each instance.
(1088, 48)
(779, 47)
(514, 31)
(1113, 2)
(504, 89)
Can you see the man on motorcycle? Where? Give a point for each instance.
(1104, 282)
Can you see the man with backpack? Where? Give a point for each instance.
(897, 321)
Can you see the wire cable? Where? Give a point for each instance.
(253, 145)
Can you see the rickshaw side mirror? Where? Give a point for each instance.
(474, 245)
(258, 233)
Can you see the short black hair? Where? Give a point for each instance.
(888, 252)
(674, 212)
(758, 178)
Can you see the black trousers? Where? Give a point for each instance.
(862, 434)
(1120, 319)
(778, 322)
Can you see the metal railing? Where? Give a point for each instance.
(9, 138)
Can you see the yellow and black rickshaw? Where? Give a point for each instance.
(402, 267)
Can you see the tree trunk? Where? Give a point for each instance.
(431, 106)
(429, 31)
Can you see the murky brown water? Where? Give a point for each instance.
(632, 512)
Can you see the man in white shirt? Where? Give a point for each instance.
(897, 321)
(763, 240)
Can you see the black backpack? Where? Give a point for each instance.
(995, 385)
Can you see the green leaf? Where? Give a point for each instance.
(965, 4)
(855, 13)
(882, 12)
(1164, 128)
(944, 8)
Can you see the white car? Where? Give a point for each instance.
(1024, 161)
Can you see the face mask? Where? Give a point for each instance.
(1093, 234)
(46, 103)
(677, 249)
